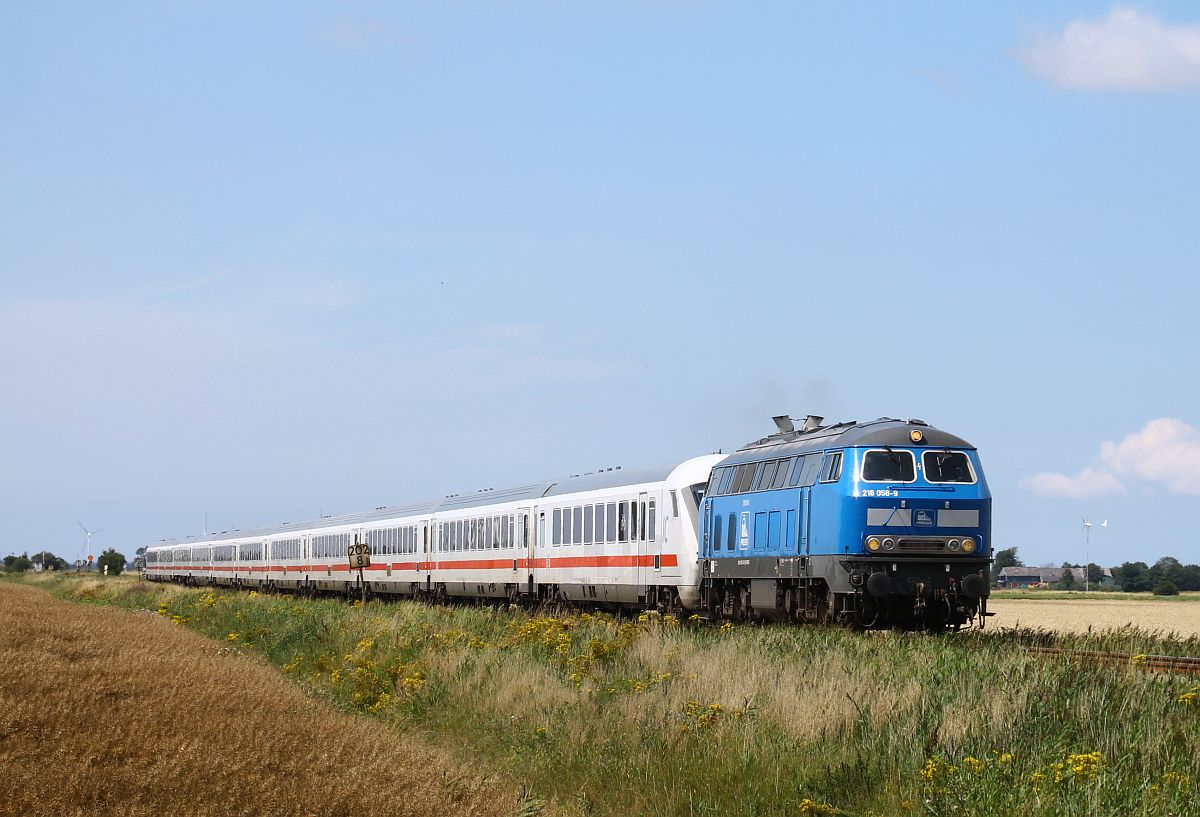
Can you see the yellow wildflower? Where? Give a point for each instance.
(815, 807)
(231, 637)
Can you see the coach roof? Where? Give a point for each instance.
(607, 478)
(881, 432)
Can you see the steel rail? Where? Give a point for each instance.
(1184, 665)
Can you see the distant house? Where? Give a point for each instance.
(1015, 577)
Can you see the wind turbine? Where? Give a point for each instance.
(1087, 541)
(88, 543)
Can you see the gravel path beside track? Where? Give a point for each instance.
(104, 712)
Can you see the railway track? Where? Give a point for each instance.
(1182, 665)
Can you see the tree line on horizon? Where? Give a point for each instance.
(20, 564)
(1166, 577)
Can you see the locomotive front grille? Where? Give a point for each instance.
(922, 545)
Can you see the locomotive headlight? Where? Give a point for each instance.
(889, 543)
(873, 544)
(968, 545)
(916, 436)
(954, 545)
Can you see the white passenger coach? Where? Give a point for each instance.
(614, 537)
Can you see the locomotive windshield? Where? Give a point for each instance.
(889, 466)
(947, 466)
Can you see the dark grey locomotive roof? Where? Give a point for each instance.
(608, 478)
(884, 431)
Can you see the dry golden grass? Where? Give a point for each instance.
(1076, 616)
(104, 712)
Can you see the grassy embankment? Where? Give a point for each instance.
(653, 716)
(107, 712)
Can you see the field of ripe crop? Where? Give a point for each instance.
(1077, 613)
(650, 715)
(105, 712)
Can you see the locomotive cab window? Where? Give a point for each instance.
(886, 465)
(947, 466)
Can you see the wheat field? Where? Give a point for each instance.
(1083, 614)
(107, 712)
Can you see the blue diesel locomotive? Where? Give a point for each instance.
(879, 524)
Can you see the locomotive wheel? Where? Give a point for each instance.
(869, 612)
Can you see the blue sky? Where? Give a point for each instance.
(263, 261)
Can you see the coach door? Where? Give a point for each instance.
(424, 545)
(523, 566)
(649, 548)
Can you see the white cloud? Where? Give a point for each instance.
(1088, 482)
(1127, 50)
(1165, 452)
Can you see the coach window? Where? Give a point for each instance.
(832, 470)
(622, 522)
(557, 534)
(610, 523)
(589, 524)
(599, 540)
(577, 525)
(652, 519)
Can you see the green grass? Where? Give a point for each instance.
(659, 717)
